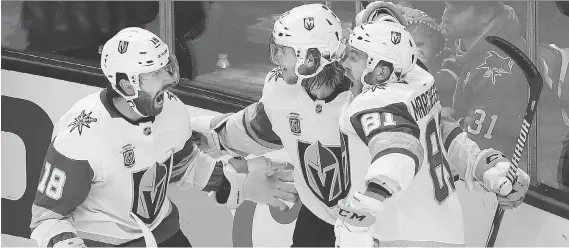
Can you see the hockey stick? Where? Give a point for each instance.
(535, 82)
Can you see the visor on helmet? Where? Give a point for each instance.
(346, 50)
(171, 68)
(276, 51)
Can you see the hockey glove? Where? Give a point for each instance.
(205, 134)
(260, 180)
(492, 167)
(355, 216)
(56, 233)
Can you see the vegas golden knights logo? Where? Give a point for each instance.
(128, 155)
(150, 188)
(123, 45)
(309, 23)
(395, 37)
(324, 171)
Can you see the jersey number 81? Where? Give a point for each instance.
(438, 165)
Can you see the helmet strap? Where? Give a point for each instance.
(300, 61)
(135, 108)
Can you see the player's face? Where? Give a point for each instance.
(460, 21)
(354, 63)
(152, 87)
(425, 39)
(285, 58)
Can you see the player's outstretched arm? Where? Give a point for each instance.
(248, 131)
(64, 184)
(261, 180)
(488, 167)
(392, 136)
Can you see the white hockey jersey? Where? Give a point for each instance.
(396, 133)
(101, 167)
(286, 116)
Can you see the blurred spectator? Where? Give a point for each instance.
(427, 34)
(429, 38)
(491, 91)
(487, 80)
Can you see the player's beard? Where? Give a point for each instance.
(330, 77)
(150, 104)
(288, 75)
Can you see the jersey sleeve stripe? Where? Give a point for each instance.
(67, 184)
(392, 142)
(451, 136)
(401, 116)
(409, 129)
(450, 129)
(259, 128)
(411, 154)
(181, 160)
(61, 237)
(377, 191)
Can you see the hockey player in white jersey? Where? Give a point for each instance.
(393, 127)
(299, 110)
(107, 171)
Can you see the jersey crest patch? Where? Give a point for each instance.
(294, 122)
(83, 120)
(128, 155)
(496, 65)
(324, 171)
(150, 188)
